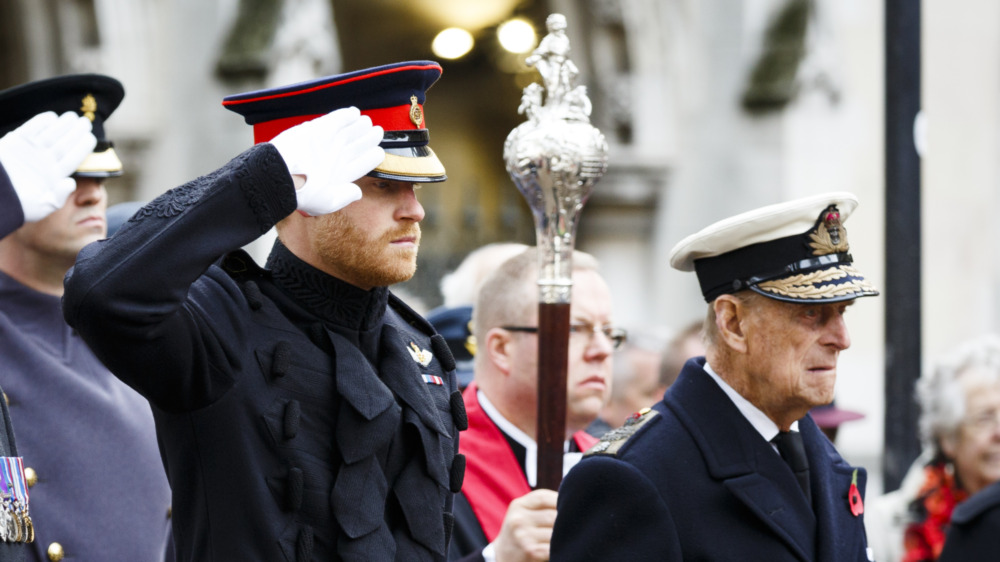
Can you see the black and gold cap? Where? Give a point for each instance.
(794, 252)
(93, 96)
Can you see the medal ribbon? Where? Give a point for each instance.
(5, 487)
(13, 479)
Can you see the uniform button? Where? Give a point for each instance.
(6, 399)
(30, 476)
(170, 511)
(55, 552)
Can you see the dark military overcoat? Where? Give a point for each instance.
(96, 483)
(696, 481)
(11, 218)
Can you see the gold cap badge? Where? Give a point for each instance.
(89, 107)
(470, 342)
(830, 236)
(416, 113)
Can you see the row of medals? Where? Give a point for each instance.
(15, 522)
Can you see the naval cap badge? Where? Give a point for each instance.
(829, 236)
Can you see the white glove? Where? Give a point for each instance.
(39, 157)
(331, 152)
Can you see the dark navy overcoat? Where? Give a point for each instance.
(696, 481)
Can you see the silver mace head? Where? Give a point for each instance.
(555, 157)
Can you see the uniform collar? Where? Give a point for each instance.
(758, 419)
(333, 300)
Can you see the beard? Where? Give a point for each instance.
(365, 258)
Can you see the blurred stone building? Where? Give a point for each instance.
(711, 107)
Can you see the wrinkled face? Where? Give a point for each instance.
(372, 242)
(792, 355)
(61, 235)
(589, 365)
(975, 448)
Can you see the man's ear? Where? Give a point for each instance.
(497, 348)
(730, 319)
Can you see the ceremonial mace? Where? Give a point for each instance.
(554, 158)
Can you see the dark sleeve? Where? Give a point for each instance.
(976, 537)
(11, 215)
(608, 510)
(148, 300)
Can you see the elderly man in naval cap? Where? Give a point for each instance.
(729, 466)
(303, 411)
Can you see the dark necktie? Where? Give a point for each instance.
(790, 447)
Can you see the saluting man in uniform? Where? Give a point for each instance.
(36, 160)
(303, 411)
(95, 480)
(729, 465)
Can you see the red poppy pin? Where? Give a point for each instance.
(854, 496)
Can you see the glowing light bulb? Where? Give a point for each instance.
(517, 36)
(452, 43)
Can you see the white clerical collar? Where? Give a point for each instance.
(530, 447)
(758, 419)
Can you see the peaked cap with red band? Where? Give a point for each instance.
(392, 95)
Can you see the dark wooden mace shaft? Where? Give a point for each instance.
(553, 356)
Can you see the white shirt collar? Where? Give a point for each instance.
(530, 447)
(758, 419)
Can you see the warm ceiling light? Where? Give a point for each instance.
(517, 36)
(474, 15)
(452, 43)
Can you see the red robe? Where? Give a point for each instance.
(493, 476)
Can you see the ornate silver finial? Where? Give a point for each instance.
(555, 157)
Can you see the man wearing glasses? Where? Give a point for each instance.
(497, 515)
